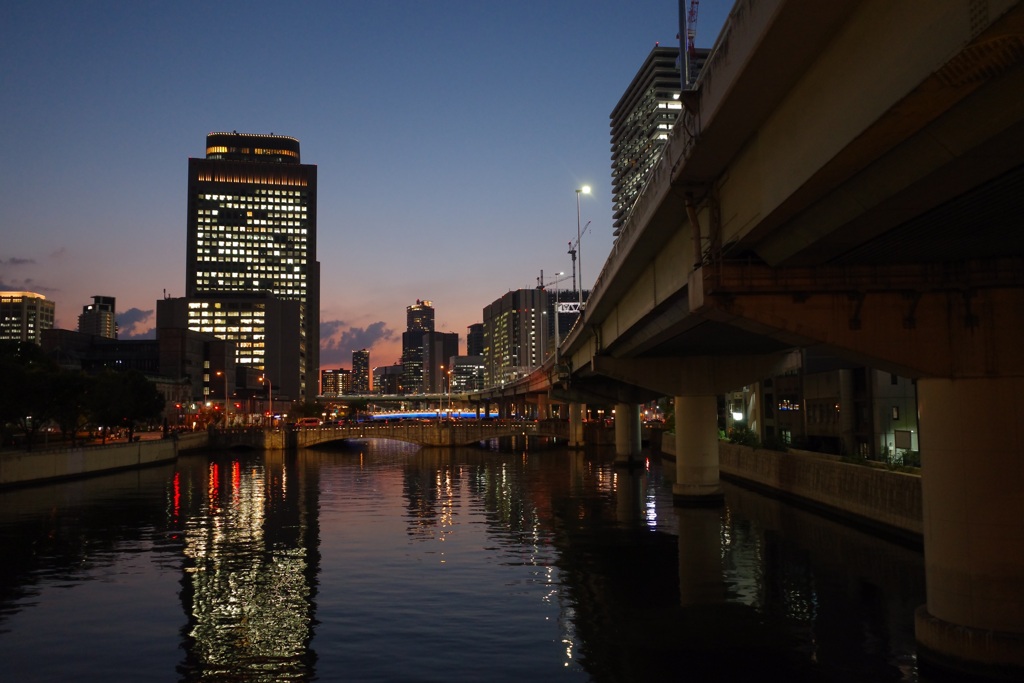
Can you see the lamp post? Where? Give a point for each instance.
(579, 247)
(225, 373)
(270, 395)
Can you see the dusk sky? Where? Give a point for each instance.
(449, 136)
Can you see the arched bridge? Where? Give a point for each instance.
(430, 433)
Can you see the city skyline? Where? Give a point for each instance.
(449, 139)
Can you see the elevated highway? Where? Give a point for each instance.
(847, 176)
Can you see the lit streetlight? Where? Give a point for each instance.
(579, 247)
(225, 374)
(270, 395)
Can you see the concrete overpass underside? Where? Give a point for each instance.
(848, 176)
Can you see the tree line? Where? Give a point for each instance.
(39, 392)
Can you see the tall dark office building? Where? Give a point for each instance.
(252, 230)
(361, 371)
(640, 125)
(475, 340)
(515, 335)
(419, 320)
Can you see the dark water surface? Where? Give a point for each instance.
(388, 563)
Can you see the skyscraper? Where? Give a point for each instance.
(99, 317)
(640, 125)
(419, 320)
(252, 231)
(515, 335)
(361, 371)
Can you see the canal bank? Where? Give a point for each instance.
(883, 500)
(42, 465)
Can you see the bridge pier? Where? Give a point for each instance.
(543, 407)
(697, 481)
(627, 433)
(576, 425)
(972, 476)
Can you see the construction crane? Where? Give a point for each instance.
(691, 28)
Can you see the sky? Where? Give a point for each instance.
(449, 136)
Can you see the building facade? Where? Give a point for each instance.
(361, 371)
(467, 374)
(516, 331)
(475, 340)
(419, 320)
(252, 231)
(24, 316)
(640, 126)
(387, 379)
(438, 350)
(267, 333)
(99, 317)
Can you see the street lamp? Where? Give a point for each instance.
(225, 373)
(579, 247)
(270, 386)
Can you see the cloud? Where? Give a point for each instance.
(136, 324)
(338, 341)
(16, 261)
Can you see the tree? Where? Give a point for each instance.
(120, 399)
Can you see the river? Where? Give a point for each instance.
(383, 562)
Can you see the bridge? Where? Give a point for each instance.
(847, 176)
(430, 432)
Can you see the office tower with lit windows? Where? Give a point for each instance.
(99, 318)
(419, 320)
(640, 126)
(252, 233)
(515, 335)
(24, 316)
(361, 371)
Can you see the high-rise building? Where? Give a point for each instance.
(640, 126)
(387, 379)
(361, 371)
(420, 316)
(24, 316)
(419, 320)
(438, 350)
(515, 335)
(252, 231)
(99, 318)
(330, 383)
(475, 340)
(467, 373)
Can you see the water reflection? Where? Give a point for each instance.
(251, 561)
(385, 562)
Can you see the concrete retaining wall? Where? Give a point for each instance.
(23, 467)
(873, 495)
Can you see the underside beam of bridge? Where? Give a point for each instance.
(931, 320)
(695, 375)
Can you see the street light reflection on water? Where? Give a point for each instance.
(383, 561)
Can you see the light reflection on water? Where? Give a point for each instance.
(384, 562)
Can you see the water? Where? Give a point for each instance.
(388, 563)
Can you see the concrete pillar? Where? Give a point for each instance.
(697, 480)
(972, 479)
(543, 407)
(575, 425)
(627, 433)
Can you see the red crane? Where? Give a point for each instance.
(691, 27)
